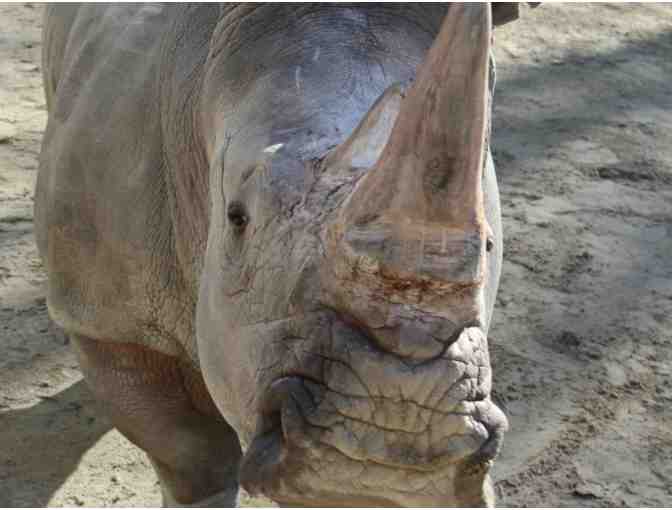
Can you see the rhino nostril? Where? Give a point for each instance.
(496, 423)
(286, 395)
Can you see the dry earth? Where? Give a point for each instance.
(582, 336)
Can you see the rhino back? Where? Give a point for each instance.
(102, 213)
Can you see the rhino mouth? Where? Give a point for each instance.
(300, 429)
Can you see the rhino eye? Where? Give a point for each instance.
(237, 215)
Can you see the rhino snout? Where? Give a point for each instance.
(374, 414)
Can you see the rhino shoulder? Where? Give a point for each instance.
(102, 215)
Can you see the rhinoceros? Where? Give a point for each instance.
(272, 233)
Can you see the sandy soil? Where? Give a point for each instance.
(582, 335)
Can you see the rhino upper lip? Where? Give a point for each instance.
(270, 445)
(292, 386)
(267, 455)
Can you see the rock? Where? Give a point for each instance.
(589, 490)
(568, 340)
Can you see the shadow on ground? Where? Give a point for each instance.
(43, 444)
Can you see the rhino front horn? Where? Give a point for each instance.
(419, 210)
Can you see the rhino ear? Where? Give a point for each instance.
(366, 143)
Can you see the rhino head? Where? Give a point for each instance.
(347, 288)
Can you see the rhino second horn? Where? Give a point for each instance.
(364, 146)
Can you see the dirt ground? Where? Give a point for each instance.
(583, 328)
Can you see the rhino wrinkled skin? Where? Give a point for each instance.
(272, 232)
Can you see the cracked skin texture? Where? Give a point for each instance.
(190, 180)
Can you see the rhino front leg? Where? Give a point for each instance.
(162, 405)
